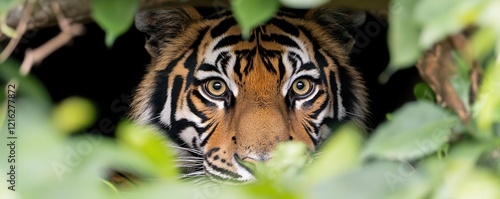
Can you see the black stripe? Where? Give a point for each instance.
(310, 102)
(223, 61)
(228, 41)
(193, 109)
(192, 60)
(249, 57)
(346, 84)
(208, 68)
(321, 108)
(333, 88)
(204, 142)
(309, 133)
(237, 66)
(282, 70)
(159, 96)
(175, 94)
(203, 99)
(222, 27)
(309, 36)
(285, 26)
(285, 40)
(307, 66)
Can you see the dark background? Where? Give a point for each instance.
(108, 76)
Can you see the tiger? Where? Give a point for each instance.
(224, 100)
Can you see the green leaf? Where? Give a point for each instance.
(451, 172)
(416, 130)
(338, 155)
(483, 42)
(443, 18)
(251, 13)
(5, 6)
(151, 144)
(28, 86)
(115, 17)
(289, 158)
(403, 35)
(374, 181)
(422, 91)
(479, 182)
(73, 114)
(301, 4)
(487, 107)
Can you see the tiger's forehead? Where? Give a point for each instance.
(259, 66)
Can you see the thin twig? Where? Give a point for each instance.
(20, 30)
(68, 31)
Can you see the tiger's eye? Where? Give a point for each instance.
(302, 87)
(216, 87)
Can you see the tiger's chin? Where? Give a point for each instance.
(241, 174)
(194, 163)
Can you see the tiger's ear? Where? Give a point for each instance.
(339, 23)
(163, 25)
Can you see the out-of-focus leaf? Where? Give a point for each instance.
(301, 4)
(417, 129)
(483, 42)
(27, 86)
(252, 13)
(5, 5)
(280, 172)
(73, 114)
(457, 166)
(339, 154)
(148, 142)
(422, 91)
(377, 180)
(461, 81)
(487, 107)
(6, 192)
(479, 183)
(412, 185)
(114, 16)
(443, 18)
(403, 35)
(288, 159)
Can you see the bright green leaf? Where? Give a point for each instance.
(339, 154)
(487, 107)
(73, 114)
(151, 144)
(483, 42)
(417, 129)
(289, 158)
(422, 91)
(28, 86)
(461, 80)
(374, 181)
(252, 13)
(115, 17)
(403, 35)
(479, 183)
(455, 168)
(443, 18)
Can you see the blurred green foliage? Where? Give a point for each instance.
(423, 151)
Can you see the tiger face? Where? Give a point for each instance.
(222, 99)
